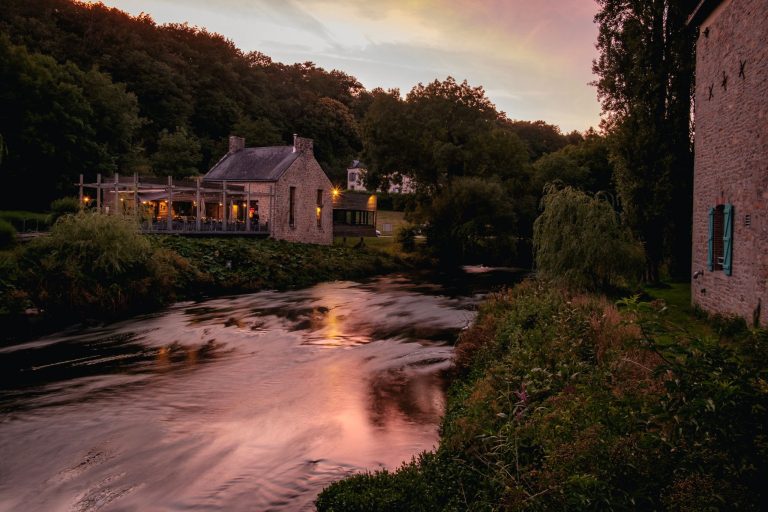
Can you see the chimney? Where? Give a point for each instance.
(236, 143)
(302, 144)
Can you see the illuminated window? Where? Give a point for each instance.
(319, 209)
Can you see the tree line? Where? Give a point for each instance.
(85, 88)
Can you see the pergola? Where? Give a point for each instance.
(129, 195)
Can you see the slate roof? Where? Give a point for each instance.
(253, 164)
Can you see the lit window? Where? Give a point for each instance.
(319, 208)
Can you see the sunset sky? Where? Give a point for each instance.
(533, 58)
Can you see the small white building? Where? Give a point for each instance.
(398, 183)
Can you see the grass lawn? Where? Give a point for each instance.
(680, 312)
(385, 244)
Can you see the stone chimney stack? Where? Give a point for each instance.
(302, 144)
(236, 143)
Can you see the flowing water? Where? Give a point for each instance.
(252, 402)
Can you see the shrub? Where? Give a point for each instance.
(578, 241)
(406, 237)
(61, 207)
(12, 300)
(94, 264)
(7, 235)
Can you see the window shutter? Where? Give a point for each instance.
(710, 241)
(727, 239)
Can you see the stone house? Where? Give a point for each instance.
(730, 189)
(285, 189)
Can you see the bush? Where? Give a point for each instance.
(7, 235)
(95, 264)
(406, 237)
(579, 242)
(61, 207)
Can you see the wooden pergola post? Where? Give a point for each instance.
(197, 207)
(81, 192)
(117, 195)
(224, 206)
(98, 192)
(248, 209)
(170, 204)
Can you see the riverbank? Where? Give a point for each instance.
(572, 402)
(98, 268)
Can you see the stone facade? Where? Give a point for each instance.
(731, 155)
(270, 174)
(306, 175)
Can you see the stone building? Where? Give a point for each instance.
(730, 218)
(286, 189)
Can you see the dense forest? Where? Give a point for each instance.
(88, 89)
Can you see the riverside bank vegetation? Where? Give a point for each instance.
(569, 401)
(99, 267)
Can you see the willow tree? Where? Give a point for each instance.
(645, 84)
(578, 241)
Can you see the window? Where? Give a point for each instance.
(319, 209)
(720, 239)
(292, 207)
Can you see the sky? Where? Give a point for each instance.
(533, 57)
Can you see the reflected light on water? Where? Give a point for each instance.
(254, 402)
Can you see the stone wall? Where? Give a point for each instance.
(731, 155)
(308, 177)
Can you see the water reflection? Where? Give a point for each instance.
(252, 402)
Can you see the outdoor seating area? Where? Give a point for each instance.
(181, 206)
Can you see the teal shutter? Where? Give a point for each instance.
(727, 239)
(710, 241)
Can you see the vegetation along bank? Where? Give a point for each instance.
(94, 266)
(565, 401)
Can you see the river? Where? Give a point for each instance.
(250, 402)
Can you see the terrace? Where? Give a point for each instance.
(186, 206)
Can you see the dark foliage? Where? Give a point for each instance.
(7, 235)
(645, 82)
(563, 402)
(106, 110)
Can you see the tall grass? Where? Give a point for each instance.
(568, 402)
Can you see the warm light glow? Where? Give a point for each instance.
(335, 192)
(86, 199)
